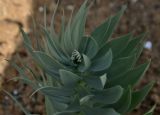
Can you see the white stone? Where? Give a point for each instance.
(148, 45)
(134, 1)
(70, 7)
(41, 9)
(15, 92)
(6, 97)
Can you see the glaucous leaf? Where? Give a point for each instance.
(74, 105)
(58, 106)
(23, 75)
(49, 108)
(66, 42)
(85, 99)
(68, 78)
(49, 64)
(94, 82)
(78, 25)
(132, 45)
(102, 63)
(100, 111)
(27, 42)
(56, 91)
(103, 79)
(124, 102)
(91, 47)
(105, 30)
(100, 33)
(120, 66)
(54, 48)
(66, 113)
(138, 96)
(131, 77)
(108, 96)
(85, 64)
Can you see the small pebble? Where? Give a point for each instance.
(155, 98)
(41, 9)
(134, 1)
(15, 92)
(148, 45)
(111, 5)
(33, 99)
(5, 102)
(6, 97)
(70, 7)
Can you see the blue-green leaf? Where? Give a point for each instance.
(49, 107)
(131, 77)
(50, 65)
(104, 31)
(85, 65)
(52, 29)
(103, 79)
(117, 45)
(68, 78)
(120, 66)
(96, 82)
(23, 75)
(99, 111)
(66, 113)
(57, 91)
(74, 105)
(58, 106)
(138, 96)
(91, 48)
(108, 96)
(27, 42)
(67, 42)
(124, 102)
(62, 30)
(78, 25)
(25, 37)
(85, 99)
(54, 48)
(100, 33)
(132, 45)
(102, 63)
(83, 44)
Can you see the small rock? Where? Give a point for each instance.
(6, 97)
(155, 98)
(15, 92)
(70, 7)
(41, 9)
(134, 1)
(148, 45)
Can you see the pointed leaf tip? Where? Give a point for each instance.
(103, 32)
(138, 96)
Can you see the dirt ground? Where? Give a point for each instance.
(141, 15)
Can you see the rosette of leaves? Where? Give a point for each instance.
(88, 74)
